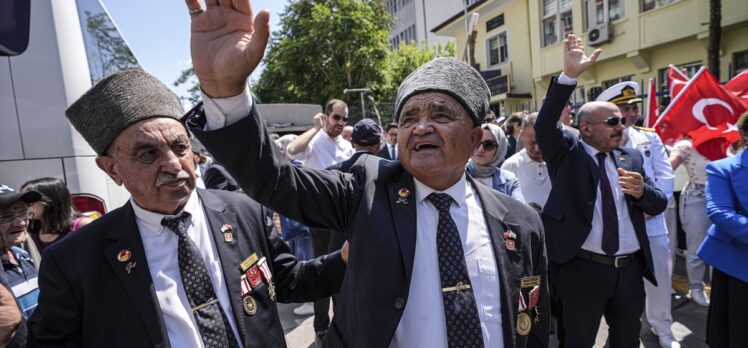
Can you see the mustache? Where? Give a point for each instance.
(165, 178)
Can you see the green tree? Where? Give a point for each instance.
(402, 61)
(324, 47)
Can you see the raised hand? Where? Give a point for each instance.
(227, 44)
(575, 61)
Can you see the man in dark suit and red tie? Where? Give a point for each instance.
(594, 218)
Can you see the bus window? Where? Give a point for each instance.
(106, 49)
(14, 26)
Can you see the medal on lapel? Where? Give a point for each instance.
(510, 240)
(250, 305)
(403, 195)
(524, 324)
(265, 270)
(228, 234)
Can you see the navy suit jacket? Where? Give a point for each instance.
(88, 299)
(567, 216)
(380, 228)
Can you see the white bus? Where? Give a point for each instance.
(71, 44)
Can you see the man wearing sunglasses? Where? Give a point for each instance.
(322, 145)
(657, 167)
(18, 272)
(595, 214)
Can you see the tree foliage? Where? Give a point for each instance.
(324, 47)
(402, 61)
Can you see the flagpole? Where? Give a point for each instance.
(672, 102)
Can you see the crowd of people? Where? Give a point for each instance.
(447, 228)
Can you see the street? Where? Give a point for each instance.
(689, 326)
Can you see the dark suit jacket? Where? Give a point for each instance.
(384, 152)
(381, 232)
(19, 337)
(567, 215)
(337, 238)
(88, 299)
(216, 177)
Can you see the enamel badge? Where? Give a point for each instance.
(403, 195)
(124, 255)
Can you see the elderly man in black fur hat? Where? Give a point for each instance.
(175, 266)
(436, 260)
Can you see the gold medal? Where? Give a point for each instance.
(523, 324)
(250, 306)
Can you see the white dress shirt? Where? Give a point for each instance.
(627, 242)
(423, 323)
(160, 244)
(324, 151)
(533, 177)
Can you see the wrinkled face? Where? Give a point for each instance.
(598, 133)
(531, 146)
(14, 221)
(152, 158)
(630, 112)
(392, 136)
(486, 149)
(435, 139)
(336, 120)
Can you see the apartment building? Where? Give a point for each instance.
(415, 18)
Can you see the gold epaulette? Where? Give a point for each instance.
(645, 129)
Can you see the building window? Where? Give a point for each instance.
(609, 83)
(689, 69)
(653, 4)
(601, 11)
(556, 21)
(739, 61)
(498, 49)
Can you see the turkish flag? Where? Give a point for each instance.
(739, 85)
(702, 102)
(712, 143)
(676, 80)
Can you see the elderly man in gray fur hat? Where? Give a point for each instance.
(436, 260)
(174, 266)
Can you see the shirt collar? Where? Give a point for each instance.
(153, 220)
(456, 191)
(590, 150)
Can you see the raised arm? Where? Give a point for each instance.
(301, 143)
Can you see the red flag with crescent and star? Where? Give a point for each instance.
(703, 102)
(739, 85)
(676, 80)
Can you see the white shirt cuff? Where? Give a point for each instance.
(563, 79)
(221, 112)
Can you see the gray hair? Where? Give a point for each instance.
(529, 120)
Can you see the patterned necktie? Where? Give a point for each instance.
(460, 310)
(610, 214)
(211, 321)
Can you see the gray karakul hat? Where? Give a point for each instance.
(450, 76)
(118, 101)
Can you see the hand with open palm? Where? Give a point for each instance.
(227, 44)
(575, 61)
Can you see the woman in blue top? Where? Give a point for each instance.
(726, 247)
(483, 166)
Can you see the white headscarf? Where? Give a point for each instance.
(499, 137)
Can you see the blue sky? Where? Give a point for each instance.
(158, 32)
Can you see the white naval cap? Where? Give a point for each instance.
(621, 93)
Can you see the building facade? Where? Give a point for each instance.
(415, 18)
(639, 38)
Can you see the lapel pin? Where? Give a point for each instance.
(249, 304)
(403, 194)
(124, 255)
(130, 266)
(510, 245)
(508, 234)
(228, 235)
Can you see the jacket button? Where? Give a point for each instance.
(399, 303)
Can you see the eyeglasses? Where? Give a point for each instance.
(488, 145)
(24, 216)
(611, 121)
(337, 118)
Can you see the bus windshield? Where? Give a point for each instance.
(106, 49)
(14, 26)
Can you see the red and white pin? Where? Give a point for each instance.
(124, 255)
(228, 234)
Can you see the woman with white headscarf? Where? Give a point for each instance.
(483, 166)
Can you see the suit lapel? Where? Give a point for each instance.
(218, 215)
(508, 262)
(134, 275)
(403, 209)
